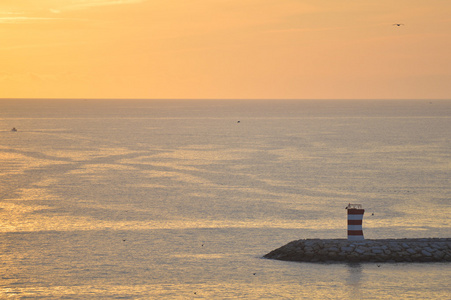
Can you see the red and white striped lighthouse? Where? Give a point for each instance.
(355, 218)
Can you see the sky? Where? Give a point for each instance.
(225, 49)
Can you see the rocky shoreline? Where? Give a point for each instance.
(382, 250)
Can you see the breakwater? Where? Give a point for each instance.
(382, 250)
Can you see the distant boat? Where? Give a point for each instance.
(14, 129)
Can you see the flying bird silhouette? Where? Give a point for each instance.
(398, 24)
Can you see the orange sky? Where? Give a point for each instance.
(225, 49)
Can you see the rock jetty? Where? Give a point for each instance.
(382, 250)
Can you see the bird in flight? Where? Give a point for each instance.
(398, 24)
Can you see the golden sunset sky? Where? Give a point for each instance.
(278, 49)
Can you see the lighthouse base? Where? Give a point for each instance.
(355, 238)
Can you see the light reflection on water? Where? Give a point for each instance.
(217, 263)
(140, 199)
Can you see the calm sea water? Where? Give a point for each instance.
(129, 199)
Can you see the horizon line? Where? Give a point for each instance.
(222, 99)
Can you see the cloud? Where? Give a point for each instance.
(11, 20)
(21, 13)
(11, 13)
(309, 29)
(42, 45)
(81, 4)
(16, 20)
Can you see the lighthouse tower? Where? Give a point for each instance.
(355, 218)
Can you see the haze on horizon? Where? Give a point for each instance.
(286, 49)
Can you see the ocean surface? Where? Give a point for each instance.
(180, 199)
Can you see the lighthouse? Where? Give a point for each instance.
(355, 218)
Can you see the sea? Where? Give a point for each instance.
(180, 199)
